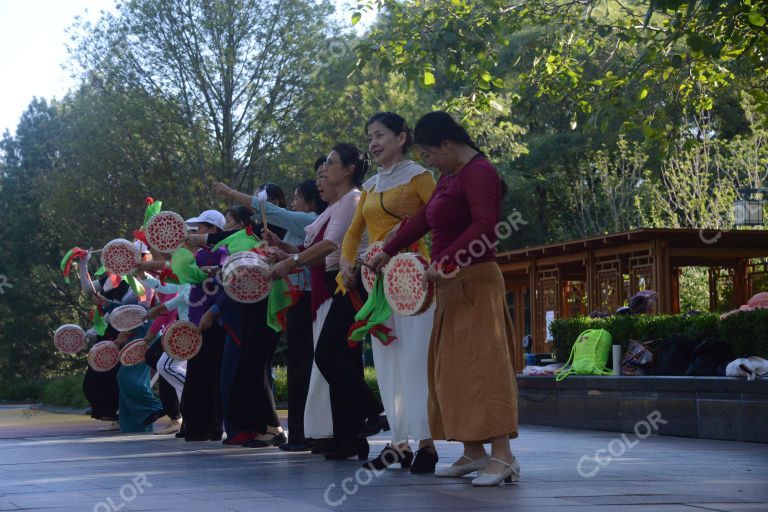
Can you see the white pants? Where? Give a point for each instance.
(318, 422)
(173, 371)
(401, 371)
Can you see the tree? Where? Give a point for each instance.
(693, 50)
(234, 71)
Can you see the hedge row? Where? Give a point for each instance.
(747, 331)
(67, 391)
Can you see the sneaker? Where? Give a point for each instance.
(171, 427)
(112, 427)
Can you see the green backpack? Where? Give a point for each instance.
(589, 355)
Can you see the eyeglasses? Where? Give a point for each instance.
(330, 162)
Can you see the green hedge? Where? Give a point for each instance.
(641, 328)
(747, 331)
(281, 383)
(67, 391)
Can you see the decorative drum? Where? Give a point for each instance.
(402, 284)
(182, 340)
(245, 277)
(133, 353)
(166, 231)
(119, 257)
(69, 339)
(104, 356)
(128, 317)
(368, 276)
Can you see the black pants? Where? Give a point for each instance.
(168, 397)
(103, 393)
(352, 401)
(252, 404)
(301, 351)
(201, 399)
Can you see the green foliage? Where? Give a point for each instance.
(625, 328)
(65, 391)
(747, 333)
(281, 383)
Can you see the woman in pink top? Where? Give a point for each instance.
(354, 407)
(472, 387)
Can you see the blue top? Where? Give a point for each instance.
(294, 224)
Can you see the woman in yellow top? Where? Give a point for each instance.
(399, 190)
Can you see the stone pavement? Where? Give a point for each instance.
(77, 468)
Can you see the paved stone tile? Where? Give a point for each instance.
(667, 474)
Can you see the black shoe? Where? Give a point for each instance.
(425, 461)
(276, 440)
(294, 447)
(374, 425)
(361, 452)
(180, 434)
(389, 456)
(323, 447)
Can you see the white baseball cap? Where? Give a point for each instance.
(213, 217)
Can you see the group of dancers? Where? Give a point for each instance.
(444, 374)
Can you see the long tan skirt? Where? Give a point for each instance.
(472, 386)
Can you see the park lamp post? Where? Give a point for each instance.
(747, 210)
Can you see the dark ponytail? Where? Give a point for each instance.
(350, 155)
(243, 215)
(439, 126)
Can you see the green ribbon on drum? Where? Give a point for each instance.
(371, 317)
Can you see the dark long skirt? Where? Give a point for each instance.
(103, 393)
(201, 403)
(301, 351)
(352, 401)
(251, 402)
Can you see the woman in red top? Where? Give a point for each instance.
(472, 387)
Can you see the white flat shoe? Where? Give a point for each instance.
(112, 427)
(464, 469)
(510, 474)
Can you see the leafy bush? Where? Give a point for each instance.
(281, 383)
(21, 391)
(747, 332)
(65, 391)
(623, 328)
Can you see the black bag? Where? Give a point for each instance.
(673, 355)
(710, 357)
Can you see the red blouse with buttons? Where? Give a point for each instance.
(462, 215)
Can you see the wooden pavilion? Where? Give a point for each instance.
(601, 273)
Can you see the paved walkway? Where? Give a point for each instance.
(74, 467)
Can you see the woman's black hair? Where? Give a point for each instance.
(243, 215)
(394, 123)
(350, 155)
(308, 192)
(439, 126)
(319, 162)
(275, 195)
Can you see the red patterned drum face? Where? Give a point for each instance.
(103, 356)
(166, 231)
(369, 277)
(245, 277)
(69, 339)
(182, 340)
(134, 353)
(128, 317)
(402, 284)
(119, 257)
